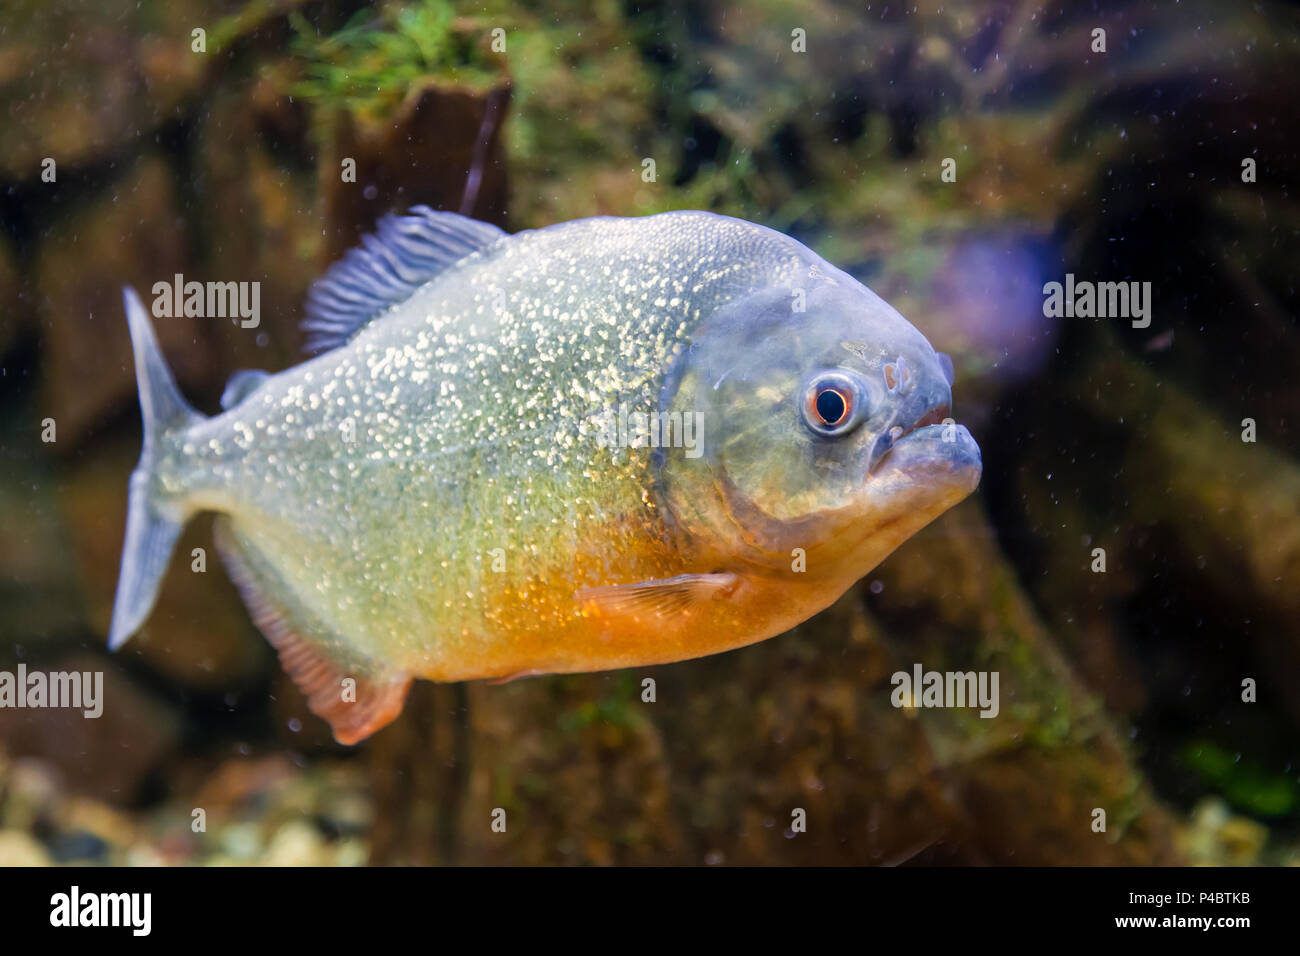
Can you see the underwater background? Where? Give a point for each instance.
(955, 157)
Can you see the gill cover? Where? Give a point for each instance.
(795, 408)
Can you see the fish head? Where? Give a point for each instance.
(825, 426)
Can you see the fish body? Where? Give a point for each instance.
(601, 444)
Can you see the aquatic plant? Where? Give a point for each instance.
(1244, 782)
(376, 59)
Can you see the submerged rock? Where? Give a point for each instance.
(109, 757)
(21, 849)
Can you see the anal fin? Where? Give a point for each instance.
(354, 712)
(356, 701)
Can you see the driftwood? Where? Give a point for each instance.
(714, 768)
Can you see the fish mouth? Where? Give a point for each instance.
(887, 442)
(925, 470)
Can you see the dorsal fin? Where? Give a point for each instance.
(404, 253)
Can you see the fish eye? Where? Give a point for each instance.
(832, 405)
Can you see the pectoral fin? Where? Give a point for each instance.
(659, 598)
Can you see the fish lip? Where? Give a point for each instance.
(932, 457)
(935, 416)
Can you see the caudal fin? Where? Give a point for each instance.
(152, 521)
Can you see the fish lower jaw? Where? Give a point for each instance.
(930, 457)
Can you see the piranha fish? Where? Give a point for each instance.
(441, 491)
